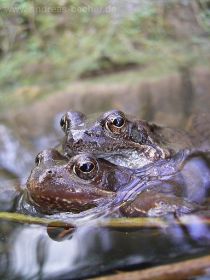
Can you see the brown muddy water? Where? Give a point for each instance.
(29, 250)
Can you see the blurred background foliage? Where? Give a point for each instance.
(47, 44)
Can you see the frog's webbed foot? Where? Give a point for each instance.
(178, 208)
(154, 204)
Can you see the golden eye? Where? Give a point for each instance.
(85, 168)
(38, 159)
(65, 123)
(115, 123)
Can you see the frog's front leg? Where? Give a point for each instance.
(154, 204)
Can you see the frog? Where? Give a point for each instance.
(58, 184)
(121, 139)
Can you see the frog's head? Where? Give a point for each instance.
(111, 134)
(57, 184)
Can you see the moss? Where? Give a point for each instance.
(49, 44)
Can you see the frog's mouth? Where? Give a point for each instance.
(52, 201)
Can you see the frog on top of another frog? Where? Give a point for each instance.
(121, 139)
(179, 185)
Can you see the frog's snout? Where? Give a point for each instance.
(79, 138)
(47, 175)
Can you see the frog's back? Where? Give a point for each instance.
(199, 129)
(196, 135)
(173, 138)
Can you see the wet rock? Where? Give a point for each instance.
(16, 157)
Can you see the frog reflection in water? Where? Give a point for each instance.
(57, 184)
(121, 139)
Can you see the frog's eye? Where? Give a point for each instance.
(38, 159)
(116, 123)
(65, 123)
(86, 168)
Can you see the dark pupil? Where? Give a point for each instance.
(62, 122)
(87, 167)
(118, 122)
(37, 160)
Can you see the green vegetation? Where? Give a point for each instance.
(49, 44)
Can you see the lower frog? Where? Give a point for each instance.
(179, 185)
(121, 139)
(57, 184)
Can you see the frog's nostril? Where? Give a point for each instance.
(49, 173)
(91, 133)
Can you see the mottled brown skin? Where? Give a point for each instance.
(121, 139)
(57, 184)
(178, 186)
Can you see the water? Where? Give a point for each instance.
(32, 251)
(27, 252)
